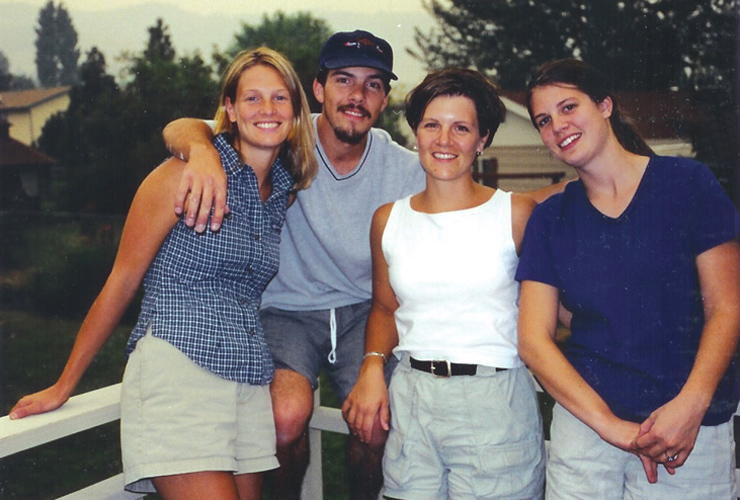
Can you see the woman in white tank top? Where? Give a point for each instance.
(466, 421)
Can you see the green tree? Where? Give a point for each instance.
(22, 82)
(160, 46)
(46, 64)
(298, 37)
(109, 138)
(56, 47)
(67, 51)
(165, 87)
(640, 45)
(92, 141)
(95, 81)
(6, 79)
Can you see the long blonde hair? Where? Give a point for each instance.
(298, 151)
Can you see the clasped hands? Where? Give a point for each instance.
(666, 437)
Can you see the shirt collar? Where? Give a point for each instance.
(282, 180)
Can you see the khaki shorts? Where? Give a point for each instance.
(582, 465)
(179, 418)
(464, 437)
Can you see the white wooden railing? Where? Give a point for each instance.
(78, 414)
(102, 406)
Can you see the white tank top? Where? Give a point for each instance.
(453, 276)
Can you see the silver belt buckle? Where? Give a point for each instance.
(446, 362)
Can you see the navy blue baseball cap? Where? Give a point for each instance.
(357, 48)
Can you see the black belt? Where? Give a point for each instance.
(443, 368)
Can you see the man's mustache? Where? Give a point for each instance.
(355, 107)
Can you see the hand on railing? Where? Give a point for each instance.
(39, 402)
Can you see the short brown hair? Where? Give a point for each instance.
(485, 94)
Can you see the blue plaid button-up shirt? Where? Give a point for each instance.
(202, 291)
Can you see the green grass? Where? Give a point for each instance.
(33, 351)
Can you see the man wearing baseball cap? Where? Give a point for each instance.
(357, 48)
(314, 310)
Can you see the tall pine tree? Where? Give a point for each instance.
(56, 47)
(67, 50)
(6, 79)
(46, 63)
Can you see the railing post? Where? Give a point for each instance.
(313, 484)
(486, 172)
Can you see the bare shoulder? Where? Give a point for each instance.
(155, 197)
(521, 208)
(544, 193)
(380, 220)
(165, 177)
(169, 168)
(382, 213)
(522, 205)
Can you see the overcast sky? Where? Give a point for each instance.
(115, 26)
(247, 6)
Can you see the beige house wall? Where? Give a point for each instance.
(537, 159)
(516, 130)
(26, 124)
(518, 149)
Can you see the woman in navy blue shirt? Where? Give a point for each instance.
(642, 251)
(196, 414)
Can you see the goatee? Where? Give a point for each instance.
(349, 136)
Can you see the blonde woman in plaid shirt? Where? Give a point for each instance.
(196, 412)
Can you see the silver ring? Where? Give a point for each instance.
(671, 459)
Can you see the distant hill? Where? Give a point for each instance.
(125, 29)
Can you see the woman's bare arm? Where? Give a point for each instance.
(147, 224)
(368, 400)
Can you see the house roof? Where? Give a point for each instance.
(657, 115)
(14, 153)
(20, 100)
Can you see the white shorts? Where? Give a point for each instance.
(584, 466)
(179, 418)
